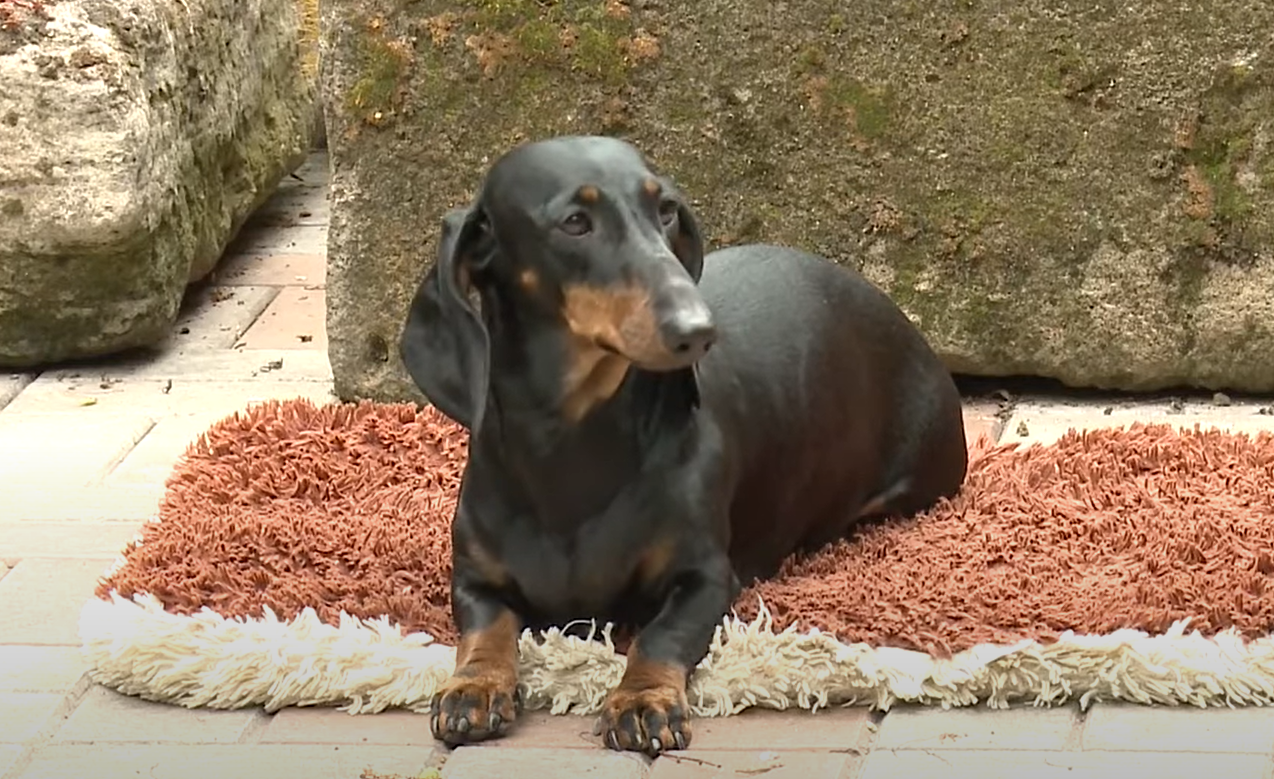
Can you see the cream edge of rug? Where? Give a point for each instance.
(206, 660)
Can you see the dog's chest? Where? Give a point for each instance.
(592, 572)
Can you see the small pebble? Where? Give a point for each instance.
(1221, 399)
(1022, 430)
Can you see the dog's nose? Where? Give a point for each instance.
(689, 332)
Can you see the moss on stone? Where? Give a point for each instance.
(383, 69)
(1013, 152)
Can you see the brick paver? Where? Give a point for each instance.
(1124, 727)
(154, 761)
(95, 540)
(979, 764)
(40, 668)
(312, 725)
(1025, 728)
(215, 317)
(9, 755)
(84, 451)
(481, 763)
(24, 714)
(105, 716)
(829, 729)
(11, 384)
(280, 270)
(294, 320)
(769, 763)
(1044, 420)
(41, 599)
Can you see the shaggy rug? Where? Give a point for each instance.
(301, 557)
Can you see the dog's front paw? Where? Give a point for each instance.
(650, 720)
(474, 708)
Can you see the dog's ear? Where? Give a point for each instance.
(444, 345)
(687, 241)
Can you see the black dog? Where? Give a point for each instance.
(650, 428)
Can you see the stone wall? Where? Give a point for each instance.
(1082, 191)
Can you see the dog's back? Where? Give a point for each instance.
(833, 402)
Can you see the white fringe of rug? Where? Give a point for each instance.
(206, 660)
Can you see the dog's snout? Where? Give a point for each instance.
(688, 331)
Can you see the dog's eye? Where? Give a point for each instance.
(577, 224)
(667, 211)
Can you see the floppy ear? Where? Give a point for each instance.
(444, 344)
(687, 242)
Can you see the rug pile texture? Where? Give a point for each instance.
(301, 556)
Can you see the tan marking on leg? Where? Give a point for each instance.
(484, 683)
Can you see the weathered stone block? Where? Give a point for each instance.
(138, 137)
(1081, 191)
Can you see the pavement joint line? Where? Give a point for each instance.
(256, 727)
(1075, 739)
(119, 459)
(59, 716)
(256, 316)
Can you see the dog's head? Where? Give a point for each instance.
(575, 231)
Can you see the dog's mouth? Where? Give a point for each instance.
(655, 362)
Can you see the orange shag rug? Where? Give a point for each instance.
(301, 554)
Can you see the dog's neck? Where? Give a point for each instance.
(571, 466)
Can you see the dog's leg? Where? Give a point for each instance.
(648, 711)
(479, 701)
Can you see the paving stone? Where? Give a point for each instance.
(107, 716)
(1127, 727)
(829, 729)
(24, 714)
(41, 600)
(541, 729)
(153, 761)
(159, 398)
(11, 384)
(152, 460)
(214, 317)
(1023, 727)
(932, 764)
(48, 669)
(332, 726)
(301, 206)
(95, 503)
(271, 239)
(65, 539)
(195, 366)
(9, 755)
(980, 420)
(297, 314)
(478, 762)
(278, 270)
(67, 450)
(757, 762)
(1041, 421)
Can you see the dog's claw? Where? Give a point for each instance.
(649, 721)
(469, 710)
